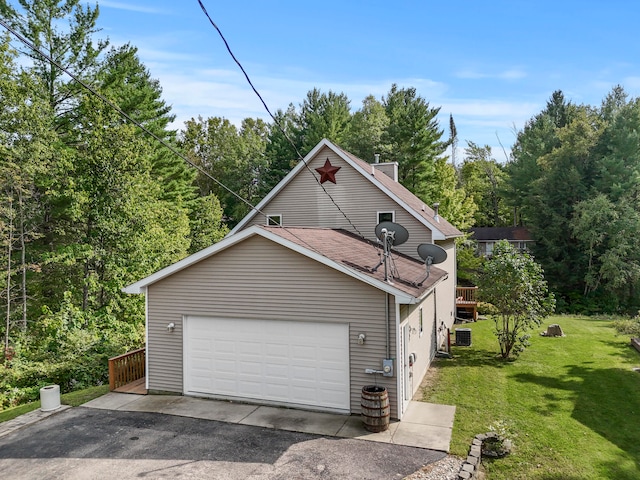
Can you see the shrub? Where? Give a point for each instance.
(70, 348)
(485, 308)
(630, 326)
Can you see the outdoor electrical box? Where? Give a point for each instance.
(387, 367)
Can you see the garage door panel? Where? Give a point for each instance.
(250, 348)
(302, 363)
(253, 367)
(303, 374)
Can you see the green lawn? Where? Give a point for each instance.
(572, 402)
(72, 398)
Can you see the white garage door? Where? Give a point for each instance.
(297, 363)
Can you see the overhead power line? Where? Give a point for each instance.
(108, 102)
(275, 120)
(121, 112)
(179, 154)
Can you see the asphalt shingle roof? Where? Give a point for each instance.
(409, 198)
(500, 233)
(361, 255)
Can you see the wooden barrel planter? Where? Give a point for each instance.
(375, 408)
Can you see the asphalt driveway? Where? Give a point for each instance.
(85, 443)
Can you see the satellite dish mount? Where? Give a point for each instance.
(431, 254)
(390, 234)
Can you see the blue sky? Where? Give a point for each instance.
(492, 64)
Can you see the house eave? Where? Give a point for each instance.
(436, 233)
(141, 285)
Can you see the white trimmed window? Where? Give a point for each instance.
(274, 220)
(386, 216)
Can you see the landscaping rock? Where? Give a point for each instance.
(553, 330)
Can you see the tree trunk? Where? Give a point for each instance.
(23, 262)
(9, 252)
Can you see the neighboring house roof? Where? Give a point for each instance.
(440, 227)
(338, 249)
(493, 234)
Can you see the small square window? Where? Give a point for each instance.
(274, 220)
(386, 217)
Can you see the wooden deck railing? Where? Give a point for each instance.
(126, 368)
(466, 294)
(467, 301)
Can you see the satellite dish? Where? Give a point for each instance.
(389, 234)
(397, 232)
(431, 254)
(436, 252)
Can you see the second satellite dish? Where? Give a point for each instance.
(436, 252)
(431, 254)
(397, 232)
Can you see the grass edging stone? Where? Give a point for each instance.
(468, 469)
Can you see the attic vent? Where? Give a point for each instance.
(376, 157)
(436, 206)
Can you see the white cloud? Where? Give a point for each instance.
(510, 74)
(130, 7)
(489, 109)
(226, 93)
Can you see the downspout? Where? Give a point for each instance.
(386, 311)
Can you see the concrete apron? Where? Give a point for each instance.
(425, 425)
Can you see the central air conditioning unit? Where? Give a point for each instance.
(463, 337)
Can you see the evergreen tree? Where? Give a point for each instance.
(323, 115)
(539, 137)
(368, 126)
(127, 81)
(414, 139)
(280, 154)
(73, 47)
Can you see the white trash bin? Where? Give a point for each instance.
(49, 398)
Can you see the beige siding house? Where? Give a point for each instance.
(298, 315)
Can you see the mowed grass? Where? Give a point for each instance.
(573, 403)
(74, 399)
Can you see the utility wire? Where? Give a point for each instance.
(108, 102)
(122, 113)
(286, 136)
(142, 127)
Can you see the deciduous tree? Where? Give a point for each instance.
(514, 284)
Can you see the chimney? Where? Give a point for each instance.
(390, 169)
(436, 217)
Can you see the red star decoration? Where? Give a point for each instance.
(328, 172)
